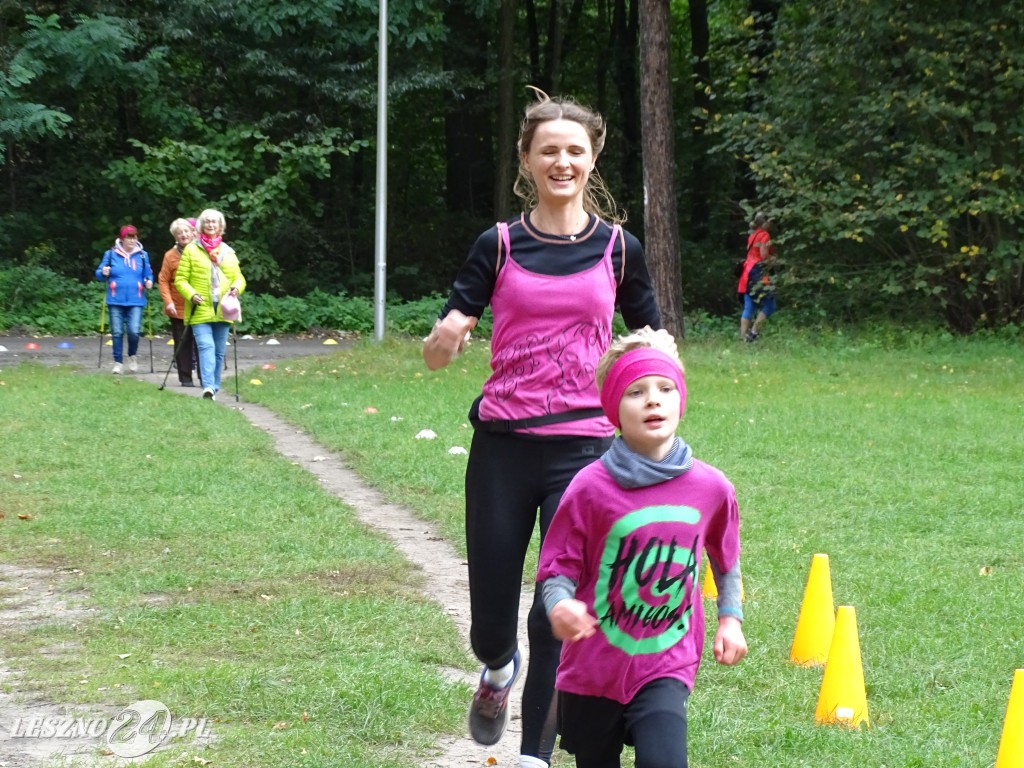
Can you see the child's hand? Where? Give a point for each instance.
(730, 645)
(570, 621)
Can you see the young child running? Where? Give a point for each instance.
(618, 569)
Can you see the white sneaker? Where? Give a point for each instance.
(209, 394)
(133, 363)
(116, 370)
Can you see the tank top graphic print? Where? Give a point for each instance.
(549, 332)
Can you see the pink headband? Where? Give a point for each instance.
(129, 230)
(634, 365)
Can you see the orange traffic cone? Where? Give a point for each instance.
(1011, 744)
(842, 698)
(817, 619)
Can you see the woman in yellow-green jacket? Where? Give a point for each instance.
(207, 273)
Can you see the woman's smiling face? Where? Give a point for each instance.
(560, 160)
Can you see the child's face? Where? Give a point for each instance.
(649, 416)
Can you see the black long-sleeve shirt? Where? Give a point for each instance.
(557, 255)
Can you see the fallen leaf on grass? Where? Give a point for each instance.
(123, 655)
(305, 717)
(267, 597)
(25, 517)
(371, 409)
(200, 761)
(986, 571)
(280, 726)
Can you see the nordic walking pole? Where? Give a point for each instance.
(184, 341)
(103, 311)
(234, 347)
(149, 315)
(103, 317)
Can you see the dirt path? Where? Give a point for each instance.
(443, 570)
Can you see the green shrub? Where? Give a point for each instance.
(41, 301)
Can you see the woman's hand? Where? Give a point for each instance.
(106, 271)
(149, 284)
(171, 310)
(447, 340)
(197, 299)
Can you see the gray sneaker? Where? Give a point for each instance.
(116, 370)
(488, 713)
(133, 363)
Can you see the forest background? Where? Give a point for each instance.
(884, 137)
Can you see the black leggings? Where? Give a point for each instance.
(508, 479)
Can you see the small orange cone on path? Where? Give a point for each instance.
(817, 619)
(1011, 745)
(842, 698)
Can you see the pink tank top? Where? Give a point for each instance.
(549, 332)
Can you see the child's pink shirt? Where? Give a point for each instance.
(635, 555)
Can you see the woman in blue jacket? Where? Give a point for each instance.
(127, 271)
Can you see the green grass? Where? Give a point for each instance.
(231, 585)
(900, 460)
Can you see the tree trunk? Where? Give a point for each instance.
(625, 42)
(469, 161)
(700, 37)
(660, 218)
(553, 49)
(506, 127)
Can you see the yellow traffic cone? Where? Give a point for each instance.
(817, 619)
(842, 698)
(710, 589)
(1011, 744)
